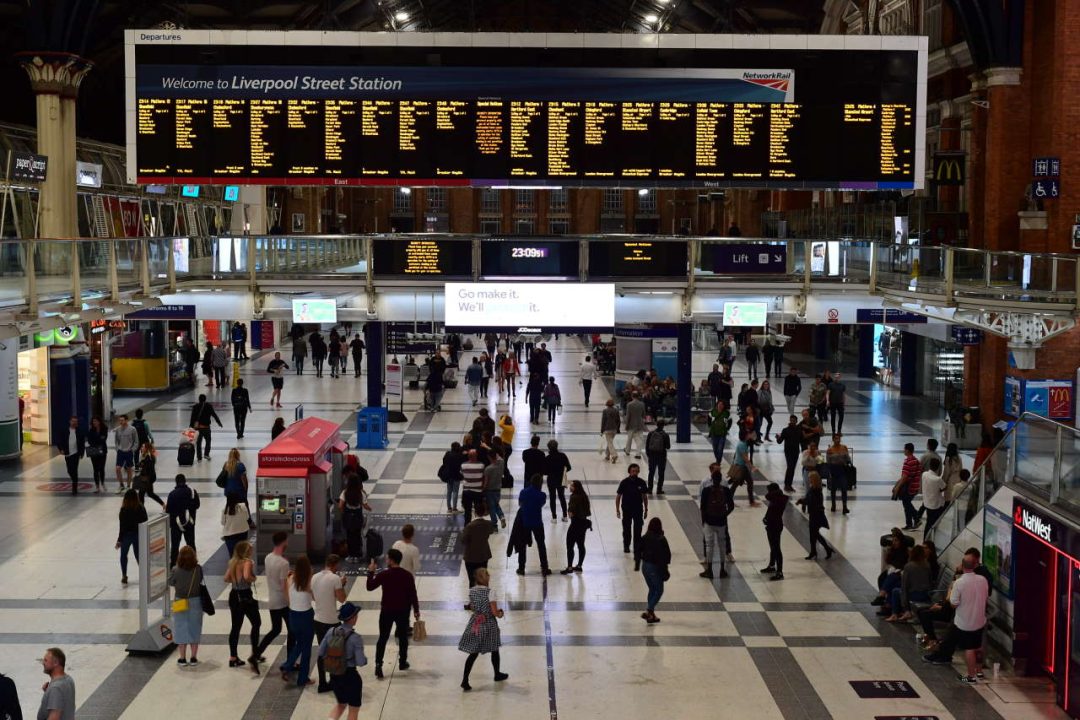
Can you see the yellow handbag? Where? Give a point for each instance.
(180, 605)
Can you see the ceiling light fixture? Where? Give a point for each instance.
(650, 18)
(401, 16)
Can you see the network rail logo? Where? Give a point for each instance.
(777, 80)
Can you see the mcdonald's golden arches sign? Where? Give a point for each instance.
(949, 168)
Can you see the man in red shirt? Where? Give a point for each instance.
(399, 595)
(909, 485)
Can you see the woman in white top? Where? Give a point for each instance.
(234, 522)
(301, 622)
(933, 492)
(588, 374)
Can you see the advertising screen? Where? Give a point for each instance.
(752, 314)
(530, 307)
(351, 111)
(526, 258)
(314, 310)
(419, 258)
(637, 258)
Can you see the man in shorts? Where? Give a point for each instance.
(969, 595)
(126, 442)
(277, 368)
(347, 686)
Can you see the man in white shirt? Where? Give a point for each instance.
(410, 554)
(933, 492)
(472, 484)
(969, 595)
(327, 590)
(588, 374)
(277, 574)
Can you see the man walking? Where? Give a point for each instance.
(473, 375)
(277, 574)
(346, 684)
(791, 438)
(719, 424)
(792, 389)
(716, 505)
(237, 341)
(753, 354)
(399, 594)
(909, 486)
(836, 404)
(201, 415)
(327, 590)
(219, 359)
(126, 442)
(635, 424)
(531, 501)
(276, 368)
(58, 702)
(657, 444)
(472, 484)
(357, 348)
(181, 504)
(241, 406)
(73, 447)
(632, 506)
(588, 374)
(609, 428)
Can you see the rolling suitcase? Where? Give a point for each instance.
(185, 455)
(853, 472)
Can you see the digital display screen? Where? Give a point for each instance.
(714, 117)
(530, 307)
(745, 314)
(419, 258)
(514, 258)
(314, 310)
(191, 191)
(232, 193)
(270, 504)
(637, 258)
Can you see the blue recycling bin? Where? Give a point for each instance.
(371, 428)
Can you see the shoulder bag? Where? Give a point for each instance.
(180, 605)
(204, 596)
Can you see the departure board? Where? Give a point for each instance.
(529, 258)
(637, 258)
(470, 116)
(422, 258)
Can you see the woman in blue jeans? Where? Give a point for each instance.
(301, 622)
(915, 584)
(132, 513)
(655, 558)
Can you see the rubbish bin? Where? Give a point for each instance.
(371, 427)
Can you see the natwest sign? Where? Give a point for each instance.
(1034, 523)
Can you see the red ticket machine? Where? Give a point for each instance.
(293, 486)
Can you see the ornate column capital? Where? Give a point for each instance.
(57, 73)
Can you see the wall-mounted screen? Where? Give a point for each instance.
(190, 191)
(528, 258)
(530, 307)
(752, 314)
(421, 258)
(637, 258)
(314, 310)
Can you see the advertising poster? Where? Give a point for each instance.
(997, 553)
(157, 553)
(1013, 397)
(393, 380)
(1050, 398)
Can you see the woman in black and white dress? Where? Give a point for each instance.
(482, 633)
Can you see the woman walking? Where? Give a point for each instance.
(481, 635)
(234, 474)
(147, 474)
(774, 527)
(580, 511)
(301, 622)
(838, 460)
(486, 371)
(556, 466)
(552, 399)
(97, 448)
(186, 580)
(242, 603)
(655, 558)
(814, 503)
(132, 513)
(234, 523)
(765, 405)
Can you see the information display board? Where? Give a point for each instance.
(419, 258)
(529, 307)
(482, 112)
(529, 258)
(637, 258)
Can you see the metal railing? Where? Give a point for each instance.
(1039, 455)
(55, 271)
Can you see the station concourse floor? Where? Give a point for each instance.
(574, 646)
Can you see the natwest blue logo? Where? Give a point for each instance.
(1033, 523)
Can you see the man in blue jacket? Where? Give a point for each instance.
(473, 374)
(531, 503)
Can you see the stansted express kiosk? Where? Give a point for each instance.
(294, 484)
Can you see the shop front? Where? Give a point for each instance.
(53, 380)
(1045, 566)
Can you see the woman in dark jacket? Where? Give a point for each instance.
(580, 511)
(450, 473)
(655, 558)
(208, 365)
(132, 513)
(318, 352)
(774, 527)
(555, 469)
(278, 428)
(814, 502)
(97, 448)
(147, 474)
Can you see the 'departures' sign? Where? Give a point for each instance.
(26, 166)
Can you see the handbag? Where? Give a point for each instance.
(207, 601)
(222, 478)
(419, 631)
(180, 605)
(565, 478)
(94, 451)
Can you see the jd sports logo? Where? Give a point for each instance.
(1034, 524)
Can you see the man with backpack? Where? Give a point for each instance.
(657, 443)
(181, 505)
(142, 428)
(341, 652)
(716, 505)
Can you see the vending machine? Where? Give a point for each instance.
(293, 486)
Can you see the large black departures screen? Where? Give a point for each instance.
(773, 115)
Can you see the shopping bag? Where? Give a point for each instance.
(419, 631)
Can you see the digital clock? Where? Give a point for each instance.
(528, 252)
(514, 258)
